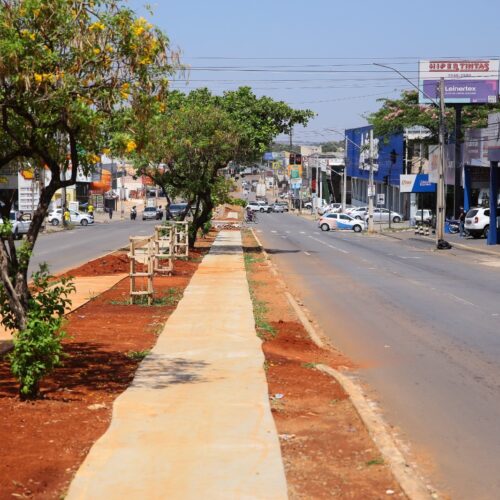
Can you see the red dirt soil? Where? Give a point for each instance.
(44, 442)
(326, 449)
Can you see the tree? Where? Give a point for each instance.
(66, 67)
(397, 114)
(185, 140)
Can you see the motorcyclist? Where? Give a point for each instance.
(133, 213)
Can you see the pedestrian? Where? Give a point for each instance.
(67, 216)
(110, 212)
(461, 219)
(90, 210)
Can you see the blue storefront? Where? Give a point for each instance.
(388, 166)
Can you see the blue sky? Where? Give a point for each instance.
(318, 54)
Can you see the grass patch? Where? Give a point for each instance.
(309, 365)
(375, 461)
(170, 298)
(250, 259)
(137, 355)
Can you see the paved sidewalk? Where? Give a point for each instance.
(196, 421)
(85, 289)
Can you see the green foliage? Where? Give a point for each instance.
(375, 461)
(138, 355)
(38, 348)
(237, 201)
(397, 114)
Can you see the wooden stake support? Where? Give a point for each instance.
(164, 249)
(141, 253)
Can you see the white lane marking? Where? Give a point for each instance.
(274, 232)
(495, 315)
(406, 258)
(302, 232)
(307, 253)
(459, 299)
(284, 237)
(328, 245)
(287, 232)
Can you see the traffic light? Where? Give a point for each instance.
(394, 157)
(298, 159)
(291, 159)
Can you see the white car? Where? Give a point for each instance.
(332, 208)
(357, 212)
(55, 218)
(426, 215)
(382, 215)
(20, 223)
(259, 206)
(477, 222)
(340, 221)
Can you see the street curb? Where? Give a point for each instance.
(461, 246)
(410, 483)
(413, 487)
(299, 311)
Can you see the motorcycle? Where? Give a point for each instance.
(133, 214)
(453, 226)
(251, 216)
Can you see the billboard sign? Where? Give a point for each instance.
(419, 183)
(465, 82)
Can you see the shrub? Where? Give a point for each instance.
(38, 348)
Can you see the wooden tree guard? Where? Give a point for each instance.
(141, 254)
(164, 249)
(181, 246)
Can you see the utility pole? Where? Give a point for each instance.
(344, 178)
(371, 188)
(457, 192)
(440, 208)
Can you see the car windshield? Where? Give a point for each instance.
(178, 207)
(150, 209)
(472, 213)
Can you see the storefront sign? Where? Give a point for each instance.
(464, 81)
(419, 183)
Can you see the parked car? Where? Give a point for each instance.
(55, 217)
(20, 223)
(340, 221)
(357, 212)
(382, 215)
(257, 206)
(284, 204)
(427, 215)
(332, 207)
(477, 222)
(149, 213)
(278, 208)
(308, 204)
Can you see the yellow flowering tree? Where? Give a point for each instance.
(67, 67)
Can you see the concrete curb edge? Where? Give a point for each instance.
(410, 483)
(406, 477)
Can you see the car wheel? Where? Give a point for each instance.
(261, 210)
(486, 231)
(84, 222)
(358, 217)
(357, 228)
(396, 219)
(325, 227)
(54, 222)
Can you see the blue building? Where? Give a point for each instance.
(388, 167)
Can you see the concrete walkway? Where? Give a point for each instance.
(85, 289)
(196, 421)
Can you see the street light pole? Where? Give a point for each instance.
(441, 199)
(371, 189)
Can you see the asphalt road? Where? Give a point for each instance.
(66, 249)
(425, 328)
